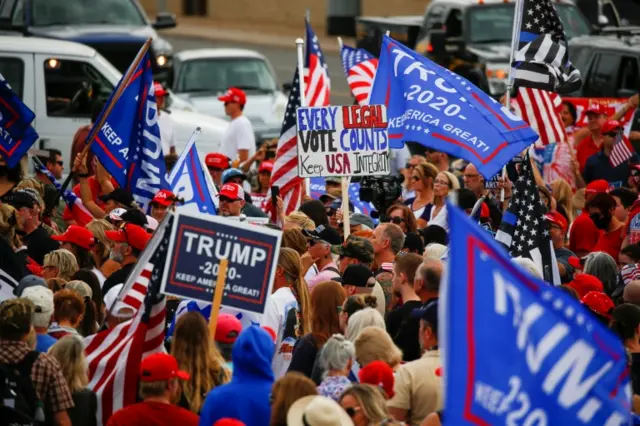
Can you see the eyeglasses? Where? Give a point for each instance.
(226, 200)
(611, 134)
(396, 220)
(415, 178)
(470, 176)
(352, 411)
(60, 163)
(442, 182)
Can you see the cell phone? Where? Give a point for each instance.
(275, 193)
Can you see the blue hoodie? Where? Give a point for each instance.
(246, 397)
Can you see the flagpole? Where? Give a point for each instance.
(97, 126)
(303, 99)
(340, 43)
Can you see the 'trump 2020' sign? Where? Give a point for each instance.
(343, 141)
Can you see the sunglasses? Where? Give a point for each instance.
(396, 220)
(409, 166)
(611, 134)
(331, 212)
(226, 200)
(415, 178)
(352, 411)
(214, 169)
(60, 163)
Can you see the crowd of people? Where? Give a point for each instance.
(350, 331)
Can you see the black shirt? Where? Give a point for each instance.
(304, 355)
(39, 244)
(599, 167)
(118, 277)
(12, 263)
(404, 330)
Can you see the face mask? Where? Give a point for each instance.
(601, 222)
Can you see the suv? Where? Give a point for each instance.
(115, 28)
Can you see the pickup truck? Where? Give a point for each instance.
(470, 37)
(60, 80)
(115, 28)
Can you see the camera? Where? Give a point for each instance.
(382, 192)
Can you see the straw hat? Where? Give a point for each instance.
(315, 410)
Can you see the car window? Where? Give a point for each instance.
(217, 75)
(453, 24)
(601, 82)
(81, 12)
(432, 19)
(71, 87)
(12, 69)
(628, 77)
(580, 58)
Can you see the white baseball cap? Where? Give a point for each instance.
(116, 307)
(41, 297)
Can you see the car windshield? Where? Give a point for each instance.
(217, 75)
(82, 12)
(493, 23)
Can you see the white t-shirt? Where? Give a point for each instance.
(99, 275)
(166, 132)
(440, 219)
(280, 315)
(239, 135)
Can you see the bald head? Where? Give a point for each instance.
(631, 292)
(473, 180)
(427, 281)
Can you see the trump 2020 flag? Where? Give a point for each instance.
(128, 144)
(17, 135)
(517, 351)
(439, 109)
(188, 180)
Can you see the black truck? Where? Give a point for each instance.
(473, 37)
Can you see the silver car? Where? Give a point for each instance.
(201, 75)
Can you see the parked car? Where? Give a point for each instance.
(59, 80)
(115, 28)
(201, 75)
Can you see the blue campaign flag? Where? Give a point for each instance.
(17, 135)
(439, 109)
(188, 180)
(128, 143)
(518, 351)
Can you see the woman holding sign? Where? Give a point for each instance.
(422, 182)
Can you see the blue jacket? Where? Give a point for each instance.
(246, 397)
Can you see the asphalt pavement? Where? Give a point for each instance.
(283, 61)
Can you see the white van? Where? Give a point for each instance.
(58, 79)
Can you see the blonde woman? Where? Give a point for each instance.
(367, 317)
(101, 249)
(69, 352)
(365, 404)
(59, 263)
(444, 183)
(375, 344)
(299, 220)
(13, 263)
(198, 355)
(288, 310)
(422, 182)
(561, 191)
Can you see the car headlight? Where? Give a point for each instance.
(163, 61)
(497, 75)
(498, 72)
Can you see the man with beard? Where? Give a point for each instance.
(601, 209)
(129, 240)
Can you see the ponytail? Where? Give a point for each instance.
(289, 260)
(88, 326)
(371, 301)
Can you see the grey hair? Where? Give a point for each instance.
(367, 317)
(528, 265)
(394, 234)
(602, 266)
(434, 251)
(337, 352)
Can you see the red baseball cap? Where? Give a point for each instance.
(485, 213)
(558, 219)
(158, 89)
(217, 160)
(76, 235)
(599, 303)
(134, 235)
(597, 186)
(164, 197)
(575, 262)
(232, 191)
(585, 283)
(610, 126)
(266, 166)
(271, 332)
(380, 374)
(596, 108)
(160, 367)
(233, 94)
(227, 329)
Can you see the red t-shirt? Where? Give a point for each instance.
(153, 414)
(586, 149)
(584, 235)
(611, 242)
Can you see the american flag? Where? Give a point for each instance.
(524, 229)
(360, 67)
(541, 110)
(285, 168)
(114, 355)
(622, 150)
(316, 75)
(542, 59)
(7, 285)
(630, 272)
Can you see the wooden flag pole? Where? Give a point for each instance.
(345, 181)
(217, 296)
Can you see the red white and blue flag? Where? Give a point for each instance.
(622, 150)
(317, 86)
(360, 67)
(16, 133)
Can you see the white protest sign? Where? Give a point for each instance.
(342, 141)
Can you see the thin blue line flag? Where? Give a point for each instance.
(518, 351)
(17, 135)
(188, 180)
(128, 144)
(439, 109)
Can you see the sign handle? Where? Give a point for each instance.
(217, 296)
(345, 181)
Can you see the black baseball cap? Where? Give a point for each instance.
(22, 198)
(428, 313)
(358, 276)
(324, 233)
(135, 216)
(118, 195)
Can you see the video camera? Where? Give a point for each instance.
(382, 192)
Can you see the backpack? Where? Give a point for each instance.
(19, 402)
